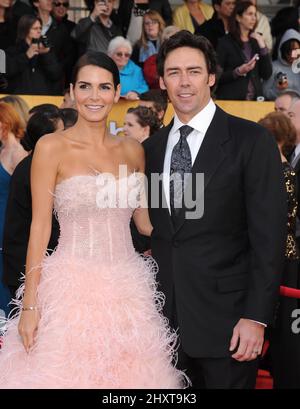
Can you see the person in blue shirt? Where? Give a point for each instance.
(131, 75)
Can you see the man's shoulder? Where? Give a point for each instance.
(152, 141)
(242, 129)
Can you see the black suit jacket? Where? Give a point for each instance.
(124, 12)
(17, 225)
(230, 56)
(212, 29)
(225, 265)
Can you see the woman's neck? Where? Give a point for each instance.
(10, 141)
(94, 133)
(245, 35)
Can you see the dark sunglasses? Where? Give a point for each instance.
(64, 4)
(119, 54)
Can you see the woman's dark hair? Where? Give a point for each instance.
(186, 39)
(44, 108)
(282, 129)
(286, 48)
(69, 117)
(24, 25)
(97, 59)
(234, 27)
(146, 117)
(41, 123)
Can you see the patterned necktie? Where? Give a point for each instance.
(181, 163)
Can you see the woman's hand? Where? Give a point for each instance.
(28, 326)
(42, 49)
(248, 66)
(132, 96)
(32, 51)
(259, 38)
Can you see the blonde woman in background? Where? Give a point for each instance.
(151, 38)
(192, 14)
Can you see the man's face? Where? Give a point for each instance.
(226, 8)
(294, 114)
(283, 103)
(187, 81)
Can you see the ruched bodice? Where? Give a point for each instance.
(94, 213)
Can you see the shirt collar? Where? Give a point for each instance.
(201, 121)
(297, 149)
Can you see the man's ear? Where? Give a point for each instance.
(162, 83)
(211, 80)
(118, 93)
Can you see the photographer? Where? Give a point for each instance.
(32, 67)
(96, 31)
(284, 76)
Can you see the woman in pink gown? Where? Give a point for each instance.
(89, 315)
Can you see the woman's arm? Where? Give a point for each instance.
(141, 215)
(43, 178)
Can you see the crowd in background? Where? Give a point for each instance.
(257, 57)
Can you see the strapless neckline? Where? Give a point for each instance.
(98, 174)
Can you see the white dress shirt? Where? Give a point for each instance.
(200, 123)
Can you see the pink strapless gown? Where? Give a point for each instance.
(101, 323)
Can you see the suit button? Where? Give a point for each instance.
(175, 243)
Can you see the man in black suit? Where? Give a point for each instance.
(216, 27)
(220, 270)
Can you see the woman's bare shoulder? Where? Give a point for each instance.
(52, 142)
(132, 145)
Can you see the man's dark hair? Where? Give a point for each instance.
(158, 97)
(185, 38)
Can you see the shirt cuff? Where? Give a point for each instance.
(261, 323)
(264, 51)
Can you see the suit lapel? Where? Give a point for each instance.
(158, 166)
(210, 155)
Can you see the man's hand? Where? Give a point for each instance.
(100, 7)
(250, 336)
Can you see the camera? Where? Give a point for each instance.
(44, 40)
(281, 78)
